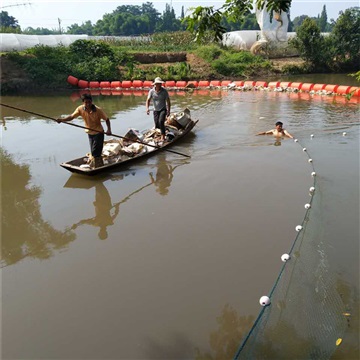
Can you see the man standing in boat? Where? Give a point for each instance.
(92, 116)
(162, 105)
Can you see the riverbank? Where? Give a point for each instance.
(15, 78)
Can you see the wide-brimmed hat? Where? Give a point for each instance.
(158, 81)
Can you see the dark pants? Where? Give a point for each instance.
(159, 119)
(96, 144)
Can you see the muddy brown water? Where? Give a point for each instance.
(120, 266)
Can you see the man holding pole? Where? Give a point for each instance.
(92, 116)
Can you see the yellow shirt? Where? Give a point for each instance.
(91, 118)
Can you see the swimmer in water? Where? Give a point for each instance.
(278, 131)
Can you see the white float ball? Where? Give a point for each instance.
(312, 135)
(304, 149)
(285, 257)
(296, 140)
(298, 228)
(312, 189)
(307, 206)
(264, 301)
(344, 133)
(313, 173)
(310, 160)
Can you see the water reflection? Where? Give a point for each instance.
(105, 211)
(164, 175)
(24, 232)
(225, 341)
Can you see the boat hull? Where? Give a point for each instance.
(74, 165)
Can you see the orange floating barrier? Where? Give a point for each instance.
(204, 83)
(147, 83)
(115, 84)
(94, 84)
(343, 89)
(261, 83)
(105, 84)
(226, 82)
(126, 84)
(331, 88)
(170, 83)
(72, 80)
(239, 83)
(215, 83)
(285, 84)
(354, 89)
(83, 84)
(318, 87)
(194, 82)
(180, 84)
(296, 85)
(307, 86)
(137, 83)
(249, 83)
(273, 84)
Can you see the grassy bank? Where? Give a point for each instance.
(48, 67)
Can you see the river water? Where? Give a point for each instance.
(118, 266)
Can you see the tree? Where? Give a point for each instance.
(8, 23)
(208, 19)
(310, 44)
(345, 39)
(169, 21)
(84, 28)
(323, 20)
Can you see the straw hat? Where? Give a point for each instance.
(158, 81)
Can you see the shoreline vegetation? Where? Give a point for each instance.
(176, 56)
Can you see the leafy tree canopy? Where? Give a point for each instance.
(205, 19)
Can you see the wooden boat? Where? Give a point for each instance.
(81, 165)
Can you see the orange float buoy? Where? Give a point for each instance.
(285, 84)
(239, 83)
(126, 84)
(343, 89)
(261, 83)
(226, 82)
(137, 83)
(180, 84)
(72, 80)
(331, 88)
(115, 84)
(105, 84)
(204, 83)
(318, 87)
(83, 84)
(147, 83)
(94, 84)
(296, 85)
(273, 84)
(249, 83)
(170, 83)
(356, 91)
(215, 83)
(194, 82)
(307, 87)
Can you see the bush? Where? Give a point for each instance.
(310, 44)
